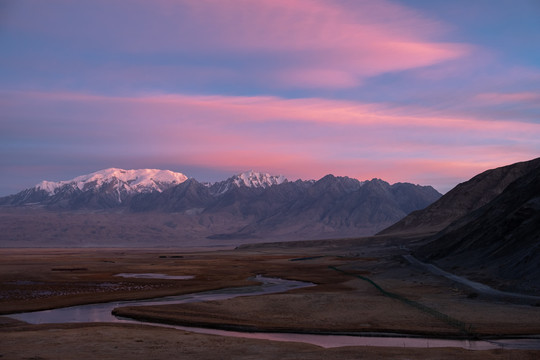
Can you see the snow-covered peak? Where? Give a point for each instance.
(250, 179)
(142, 180)
(257, 180)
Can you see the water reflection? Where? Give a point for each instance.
(102, 313)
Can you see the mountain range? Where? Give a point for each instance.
(110, 188)
(487, 228)
(246, 206)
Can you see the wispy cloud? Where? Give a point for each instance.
(408, 91)
(510, 98)
(299, 137)
(299, 43)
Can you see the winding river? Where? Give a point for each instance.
(102, 312)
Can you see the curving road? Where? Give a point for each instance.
(481, 288)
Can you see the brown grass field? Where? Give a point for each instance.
(342, 301)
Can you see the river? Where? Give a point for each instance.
(102, 312)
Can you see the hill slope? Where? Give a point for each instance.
(499, 243)
(461, 200)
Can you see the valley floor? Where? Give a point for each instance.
(363, 285)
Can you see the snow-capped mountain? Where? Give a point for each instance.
(112, 187)
(101, 189)
(256, 179)
(247, 205)
(130, 181)
(250, 179)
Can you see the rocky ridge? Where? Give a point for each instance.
(246, 206)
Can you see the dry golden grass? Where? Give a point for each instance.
(100, 341)
(340, 302)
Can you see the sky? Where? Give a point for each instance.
(420, 91)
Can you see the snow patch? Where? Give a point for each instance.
(132, 181)
(249, 179)
(258, 180)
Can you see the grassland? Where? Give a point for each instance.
(349, 274)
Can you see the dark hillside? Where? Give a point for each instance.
(462, 199)
(498, 243)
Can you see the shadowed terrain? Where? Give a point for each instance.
(462, 199)
(498, 243)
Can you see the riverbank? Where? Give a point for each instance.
(355, 311)
(362, 287)
(342, 301)
(138, 342)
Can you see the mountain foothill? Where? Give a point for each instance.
(487, 228)
(176, 208)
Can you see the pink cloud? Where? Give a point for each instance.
(305, 138)
(311, 77)
(321, 43)
(173, 110)
(506, 98)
